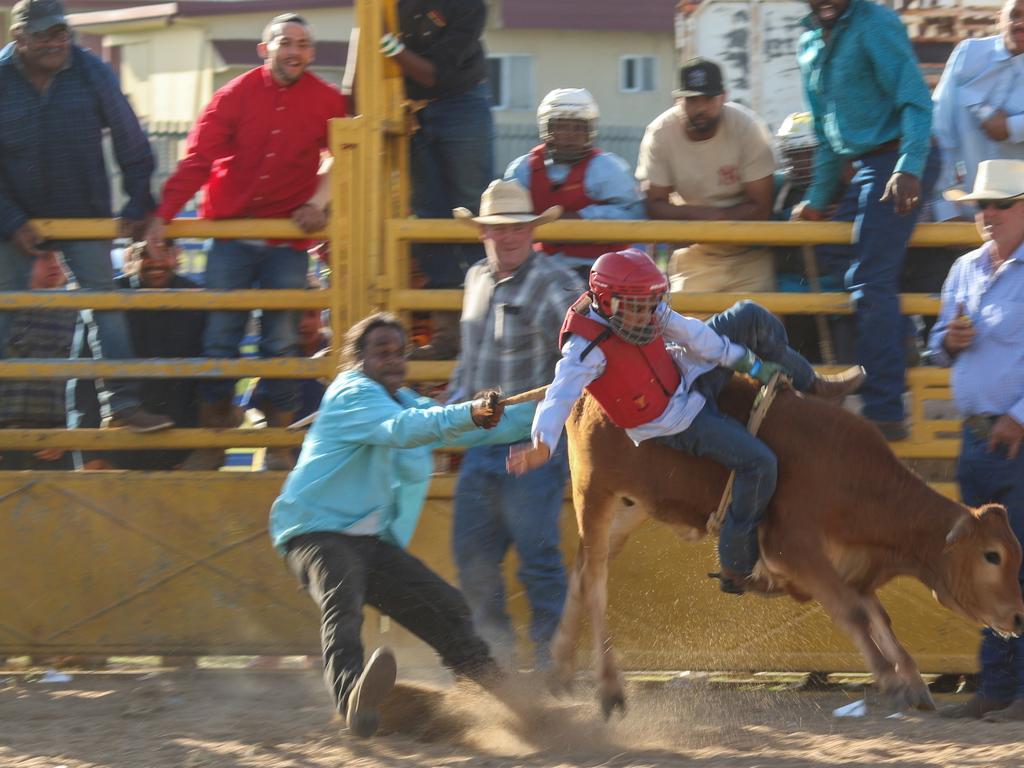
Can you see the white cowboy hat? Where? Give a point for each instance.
(507, 202)
(996, 180)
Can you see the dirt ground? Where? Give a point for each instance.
(281, 718)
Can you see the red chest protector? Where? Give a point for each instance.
(638, 381)
(571, 195)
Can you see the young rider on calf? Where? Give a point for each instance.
(658, 374)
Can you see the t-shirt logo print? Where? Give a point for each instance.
(728, 175)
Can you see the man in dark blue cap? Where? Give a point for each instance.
(56, 101)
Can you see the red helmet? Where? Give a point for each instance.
(623, 281)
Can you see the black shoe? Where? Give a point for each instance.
(731, 582)
(893, 431)
(372, 687)
(137, 419)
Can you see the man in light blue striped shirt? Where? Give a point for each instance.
(979, 104)
(980, 332)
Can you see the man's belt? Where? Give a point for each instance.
(980, 425)
(881, 149)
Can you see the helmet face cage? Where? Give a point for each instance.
(567, 104)
(634, 307)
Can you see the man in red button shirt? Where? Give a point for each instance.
(256, 151)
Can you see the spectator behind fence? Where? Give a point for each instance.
(568, 170)
(56, 101)
(512, 308)
(159, 333)
(979, 105)
(871, 108)
(716, 158)
(439, 51)
(256, 150)
(313, 342)
(35, 404)
(350, 506)
(980, 332)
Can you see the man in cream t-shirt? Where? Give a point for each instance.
(706, 159)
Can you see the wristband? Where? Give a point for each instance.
(390, 45)
(755, 367)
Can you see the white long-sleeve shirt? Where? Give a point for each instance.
(694, 347)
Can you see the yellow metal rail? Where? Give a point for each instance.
(164, 299)
(122, 439)
(168, 368)
(735, 232)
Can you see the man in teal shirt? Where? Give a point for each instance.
(871, 109)
(351, 504)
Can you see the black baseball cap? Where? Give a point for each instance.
(699, 77)
(37, 15)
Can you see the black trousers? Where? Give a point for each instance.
(342, 573)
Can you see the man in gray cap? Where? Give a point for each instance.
(56, 101)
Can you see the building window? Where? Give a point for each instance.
(637, 74)
(511, 80)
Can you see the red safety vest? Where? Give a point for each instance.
(638, 381)
(571, 195)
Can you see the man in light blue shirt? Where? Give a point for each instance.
(351, 504)
(566, 169)
(871, 110)
(979, 105)
(980, 332)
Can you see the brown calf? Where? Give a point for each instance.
(845, 519)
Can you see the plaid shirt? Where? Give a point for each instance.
(510, 327)
(51, 144)
(37, 334)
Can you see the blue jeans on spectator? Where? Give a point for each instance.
(986, 478)
(493, 511)
(452, 162)
(234, 265)
(723, 439)
(89, 260)
(881, 237)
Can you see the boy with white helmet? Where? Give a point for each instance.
(568, 170)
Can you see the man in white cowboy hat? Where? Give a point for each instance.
(980, 333)
(512, 310)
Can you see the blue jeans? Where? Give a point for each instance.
(985, 478)
(725, 440)
(493, 511)
(89, 260)
(881, 237)
(452, 162)
(231, 266)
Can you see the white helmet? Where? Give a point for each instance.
(567, 104)
(797, 132)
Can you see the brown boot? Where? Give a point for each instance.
(1011, 714)
(834, 387)
(279, 459)
(976, 707)
(221, 414)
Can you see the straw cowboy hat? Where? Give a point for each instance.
(507, 202)
(996, 180)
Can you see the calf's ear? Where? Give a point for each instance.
(961, 530)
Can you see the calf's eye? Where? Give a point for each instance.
(993, 557)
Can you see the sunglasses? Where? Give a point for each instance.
(999, 205)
